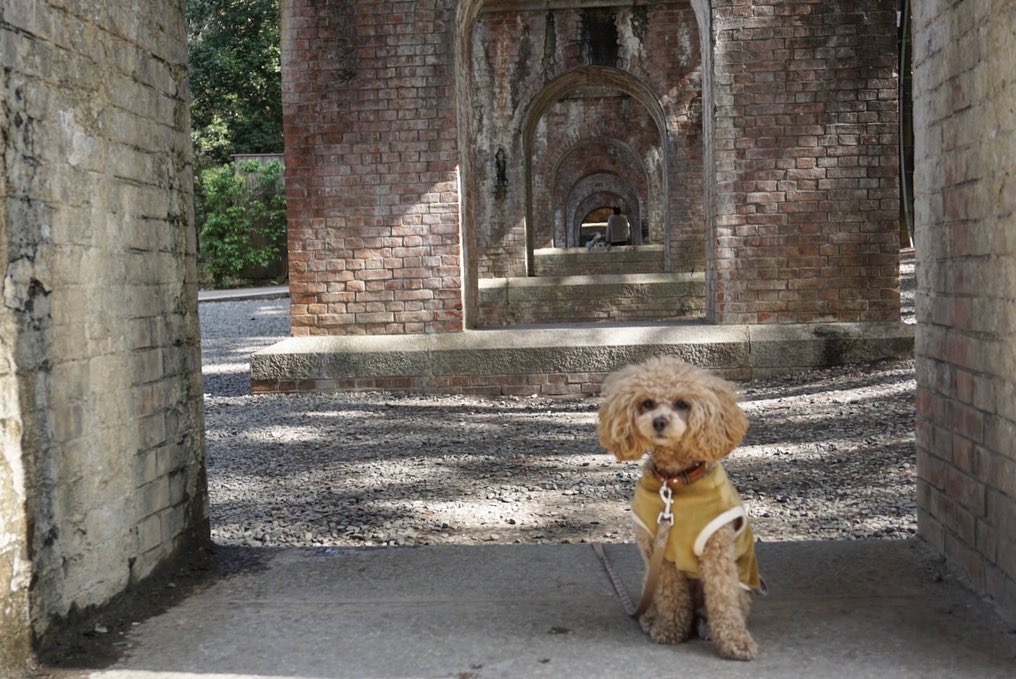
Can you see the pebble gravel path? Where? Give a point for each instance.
(829, 455)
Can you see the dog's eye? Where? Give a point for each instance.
(648, 404)
(681, 404)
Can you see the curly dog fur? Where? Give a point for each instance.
(682, 415)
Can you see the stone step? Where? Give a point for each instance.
(602, 260)
(587, 299)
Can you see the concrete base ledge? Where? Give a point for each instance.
(584, 280)
(562, 360)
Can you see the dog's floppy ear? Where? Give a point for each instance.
(716, 423)
(617, 414)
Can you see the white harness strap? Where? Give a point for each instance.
(716, 524)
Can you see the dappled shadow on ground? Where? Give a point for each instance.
(230, 333)
(829, 455)
(822, 462)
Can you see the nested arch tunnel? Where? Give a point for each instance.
(600, 193)
(616, 164)
(532, 87)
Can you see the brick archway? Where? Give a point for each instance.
(601, 190)
(589, 156)
(496, 239)
(571, 82)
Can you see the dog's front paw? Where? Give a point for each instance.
(647, 620)
(737, 648)
(665, 634)
(664, 631)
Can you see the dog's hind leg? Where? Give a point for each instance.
(725, 599)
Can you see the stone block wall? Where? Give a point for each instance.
(101, 418)
(371, 156)
(806, 199)
(965, 143)
(15, 571)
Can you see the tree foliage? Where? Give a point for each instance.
(235, 78)
(245, 218)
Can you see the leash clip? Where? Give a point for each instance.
(666, 516)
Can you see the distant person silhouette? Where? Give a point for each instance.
(618, 228)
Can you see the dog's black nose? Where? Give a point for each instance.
(660, 423)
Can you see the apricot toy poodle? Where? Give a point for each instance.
(687, 420)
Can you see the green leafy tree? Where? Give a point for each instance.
(235, 78)
(245, 218)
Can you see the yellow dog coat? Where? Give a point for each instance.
(699, 509)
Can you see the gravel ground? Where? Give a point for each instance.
(829, 455)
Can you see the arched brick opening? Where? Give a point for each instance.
(496, 233)
(573, 81)
(607, 156)
(793, 154)
(601, 190)
(566, 153)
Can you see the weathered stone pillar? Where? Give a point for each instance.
(102, 472)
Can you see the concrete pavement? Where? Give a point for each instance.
(835, 609)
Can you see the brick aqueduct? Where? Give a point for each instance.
(438, 150)
(538, 113)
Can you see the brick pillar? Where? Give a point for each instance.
(805, 203)
(965, 145)
(371, 156)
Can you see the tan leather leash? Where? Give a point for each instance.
(664, 522)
